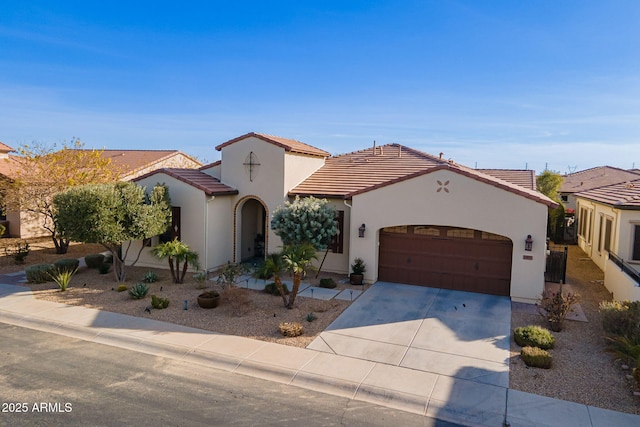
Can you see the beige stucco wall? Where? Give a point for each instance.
(26, 225)
(620, 284)
(469, 204)
(336, 262)
(624, 235)
(298, 167)
(209, 238)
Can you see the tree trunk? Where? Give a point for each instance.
(185, 266)
(278, 282)
(173, 271)
(61, 244)
(297, 277)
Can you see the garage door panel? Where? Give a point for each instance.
(458, 263)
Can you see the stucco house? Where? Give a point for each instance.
(609, 233)
(130, 163)
(412, 217)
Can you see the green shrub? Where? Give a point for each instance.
(139, 290)
(94, 260)
(67, 264)
(122, 288)
(536, 357)
(534, 336)
(40, 273)
(104, 268)
(311, 317)
(621, 318)
(62, 277)
(272, 289)
(150, 277)
(328, 283)
(159, 302)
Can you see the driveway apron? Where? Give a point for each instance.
(452, 333)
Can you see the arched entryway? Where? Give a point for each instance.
(251, 236)
(446, 257)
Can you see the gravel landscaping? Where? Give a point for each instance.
(582, 370)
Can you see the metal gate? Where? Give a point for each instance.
(556, 270)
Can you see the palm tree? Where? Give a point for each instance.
(297, 260)
(273, 266)
(177, 252)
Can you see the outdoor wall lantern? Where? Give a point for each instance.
(528, 243)
(361, 230)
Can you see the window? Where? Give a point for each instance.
(426, 230)
(600, 236)
(337, 243)
(564, 198)
(636, 243)
(401, 229)
(172, 232)
(461, 232)
(607, 234)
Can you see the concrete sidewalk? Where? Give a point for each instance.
(439, 396)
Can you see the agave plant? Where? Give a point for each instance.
(62, 277)
(139, 290)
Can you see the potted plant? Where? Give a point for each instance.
(209, 299)
(358, 268)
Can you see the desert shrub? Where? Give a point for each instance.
(159, 302)
(139, 290)
(321, 306)
(39, 273)
(311, 317)
(554, 306)
(104, 268)
(150, 277)
(63, 276)
(621, 318)
(21, 252)
(627, 348)
(237, 298)
(536, 357)
(328, 283)
(272, 289)
(200, 277)
(290, 329)
(122, 288)
(534, 336)
(67, 264)
(94, 260)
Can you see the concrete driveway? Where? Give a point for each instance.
(453, 333)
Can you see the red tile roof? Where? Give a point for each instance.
(209, 185)
(595, 178)
(288, 144)
(354, 173)
(523, 178)
(8, 166)
(624, 195)
(5, 148)
(133, 160)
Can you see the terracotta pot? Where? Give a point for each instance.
(209, 300)
(356, 279)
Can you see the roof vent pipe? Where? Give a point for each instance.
(374, 147)
(441, 154)
(399, 151)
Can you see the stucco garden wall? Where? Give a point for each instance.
(620, 284)
(450, 199)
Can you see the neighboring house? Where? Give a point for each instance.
(130, 163)
(592, 178)
(609, 233)
(412, 217)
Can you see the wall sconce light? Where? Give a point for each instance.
(528, 243)
(361, 230)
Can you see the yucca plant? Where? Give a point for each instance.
(150, 277)
(62, 277)
(138, 291)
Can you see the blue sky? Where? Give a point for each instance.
(504, 84)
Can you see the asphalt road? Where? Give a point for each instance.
(49, 380)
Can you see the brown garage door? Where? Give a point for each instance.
(446, 257)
